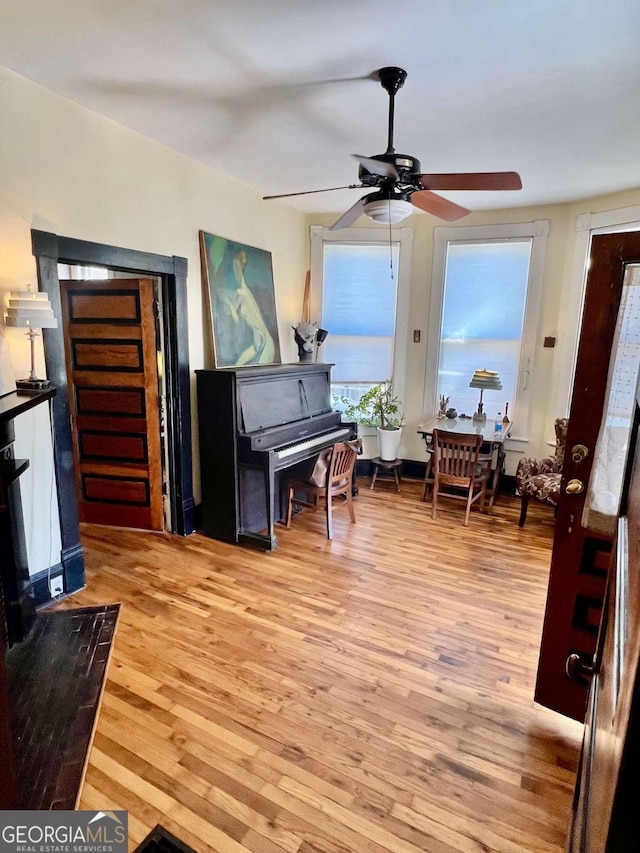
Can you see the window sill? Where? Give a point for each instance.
(366, 430)
(515, 439)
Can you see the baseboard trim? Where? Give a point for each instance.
(73, 562)
(40, 584)
(197, 516)
(507, 485)
(410, 468)
(187, 523)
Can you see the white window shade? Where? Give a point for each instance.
(485, 294)
(359, 298)
(484, 310)
(360, 295)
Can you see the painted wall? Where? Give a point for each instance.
(68, 170)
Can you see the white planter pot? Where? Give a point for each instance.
(388, 441)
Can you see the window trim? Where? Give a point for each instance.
(538, 232)
(404, 236)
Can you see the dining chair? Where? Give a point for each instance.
(331, 478)
(457, 471)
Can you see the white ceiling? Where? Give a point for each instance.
(279, 93)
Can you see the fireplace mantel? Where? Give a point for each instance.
(15, 599)
(16, 596)
(17, 402)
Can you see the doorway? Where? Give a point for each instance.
(606, 372)
(171, 271)
(113, 359)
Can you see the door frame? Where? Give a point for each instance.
(51, 249)
(580, 557)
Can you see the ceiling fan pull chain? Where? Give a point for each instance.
(390, 243)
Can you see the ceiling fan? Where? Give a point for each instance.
(400, 186)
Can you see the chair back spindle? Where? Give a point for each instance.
(457, 467)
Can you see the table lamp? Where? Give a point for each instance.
(485, 380)
(31, 310)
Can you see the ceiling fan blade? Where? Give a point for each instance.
(438, 206)
(378, 167)
(350, 216)
(473, 181)
(310, 192)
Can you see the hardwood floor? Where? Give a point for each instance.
(369, 694)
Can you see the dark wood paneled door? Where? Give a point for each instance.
(605, 818)
(581, 554)
(112, 371)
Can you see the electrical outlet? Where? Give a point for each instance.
(56, 586)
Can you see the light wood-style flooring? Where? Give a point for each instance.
(369, 695)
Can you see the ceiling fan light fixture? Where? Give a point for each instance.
(388, 211)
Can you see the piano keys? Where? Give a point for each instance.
(300, 450)
(256, 424)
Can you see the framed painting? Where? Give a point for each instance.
(242, 303)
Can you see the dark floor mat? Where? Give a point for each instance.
(55, 680)
(160, 840)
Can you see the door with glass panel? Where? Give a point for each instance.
(600, 420)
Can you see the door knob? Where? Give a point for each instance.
(574, 487)
(577, 669)
(579, 452)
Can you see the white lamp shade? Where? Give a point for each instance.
(388, 211)
(30, 310)
(486, 380)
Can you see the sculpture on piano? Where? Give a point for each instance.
(305, 336)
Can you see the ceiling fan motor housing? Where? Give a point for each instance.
(408, 169)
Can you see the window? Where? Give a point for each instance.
(362, 304)
(484, 314)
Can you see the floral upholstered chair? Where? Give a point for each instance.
(540, 478)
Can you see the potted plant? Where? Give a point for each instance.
(379, 407)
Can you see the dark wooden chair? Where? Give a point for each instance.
(331, 478)
(458, 472)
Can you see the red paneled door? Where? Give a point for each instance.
(581, 555)
(112, 371)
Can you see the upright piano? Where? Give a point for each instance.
(256, 422)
